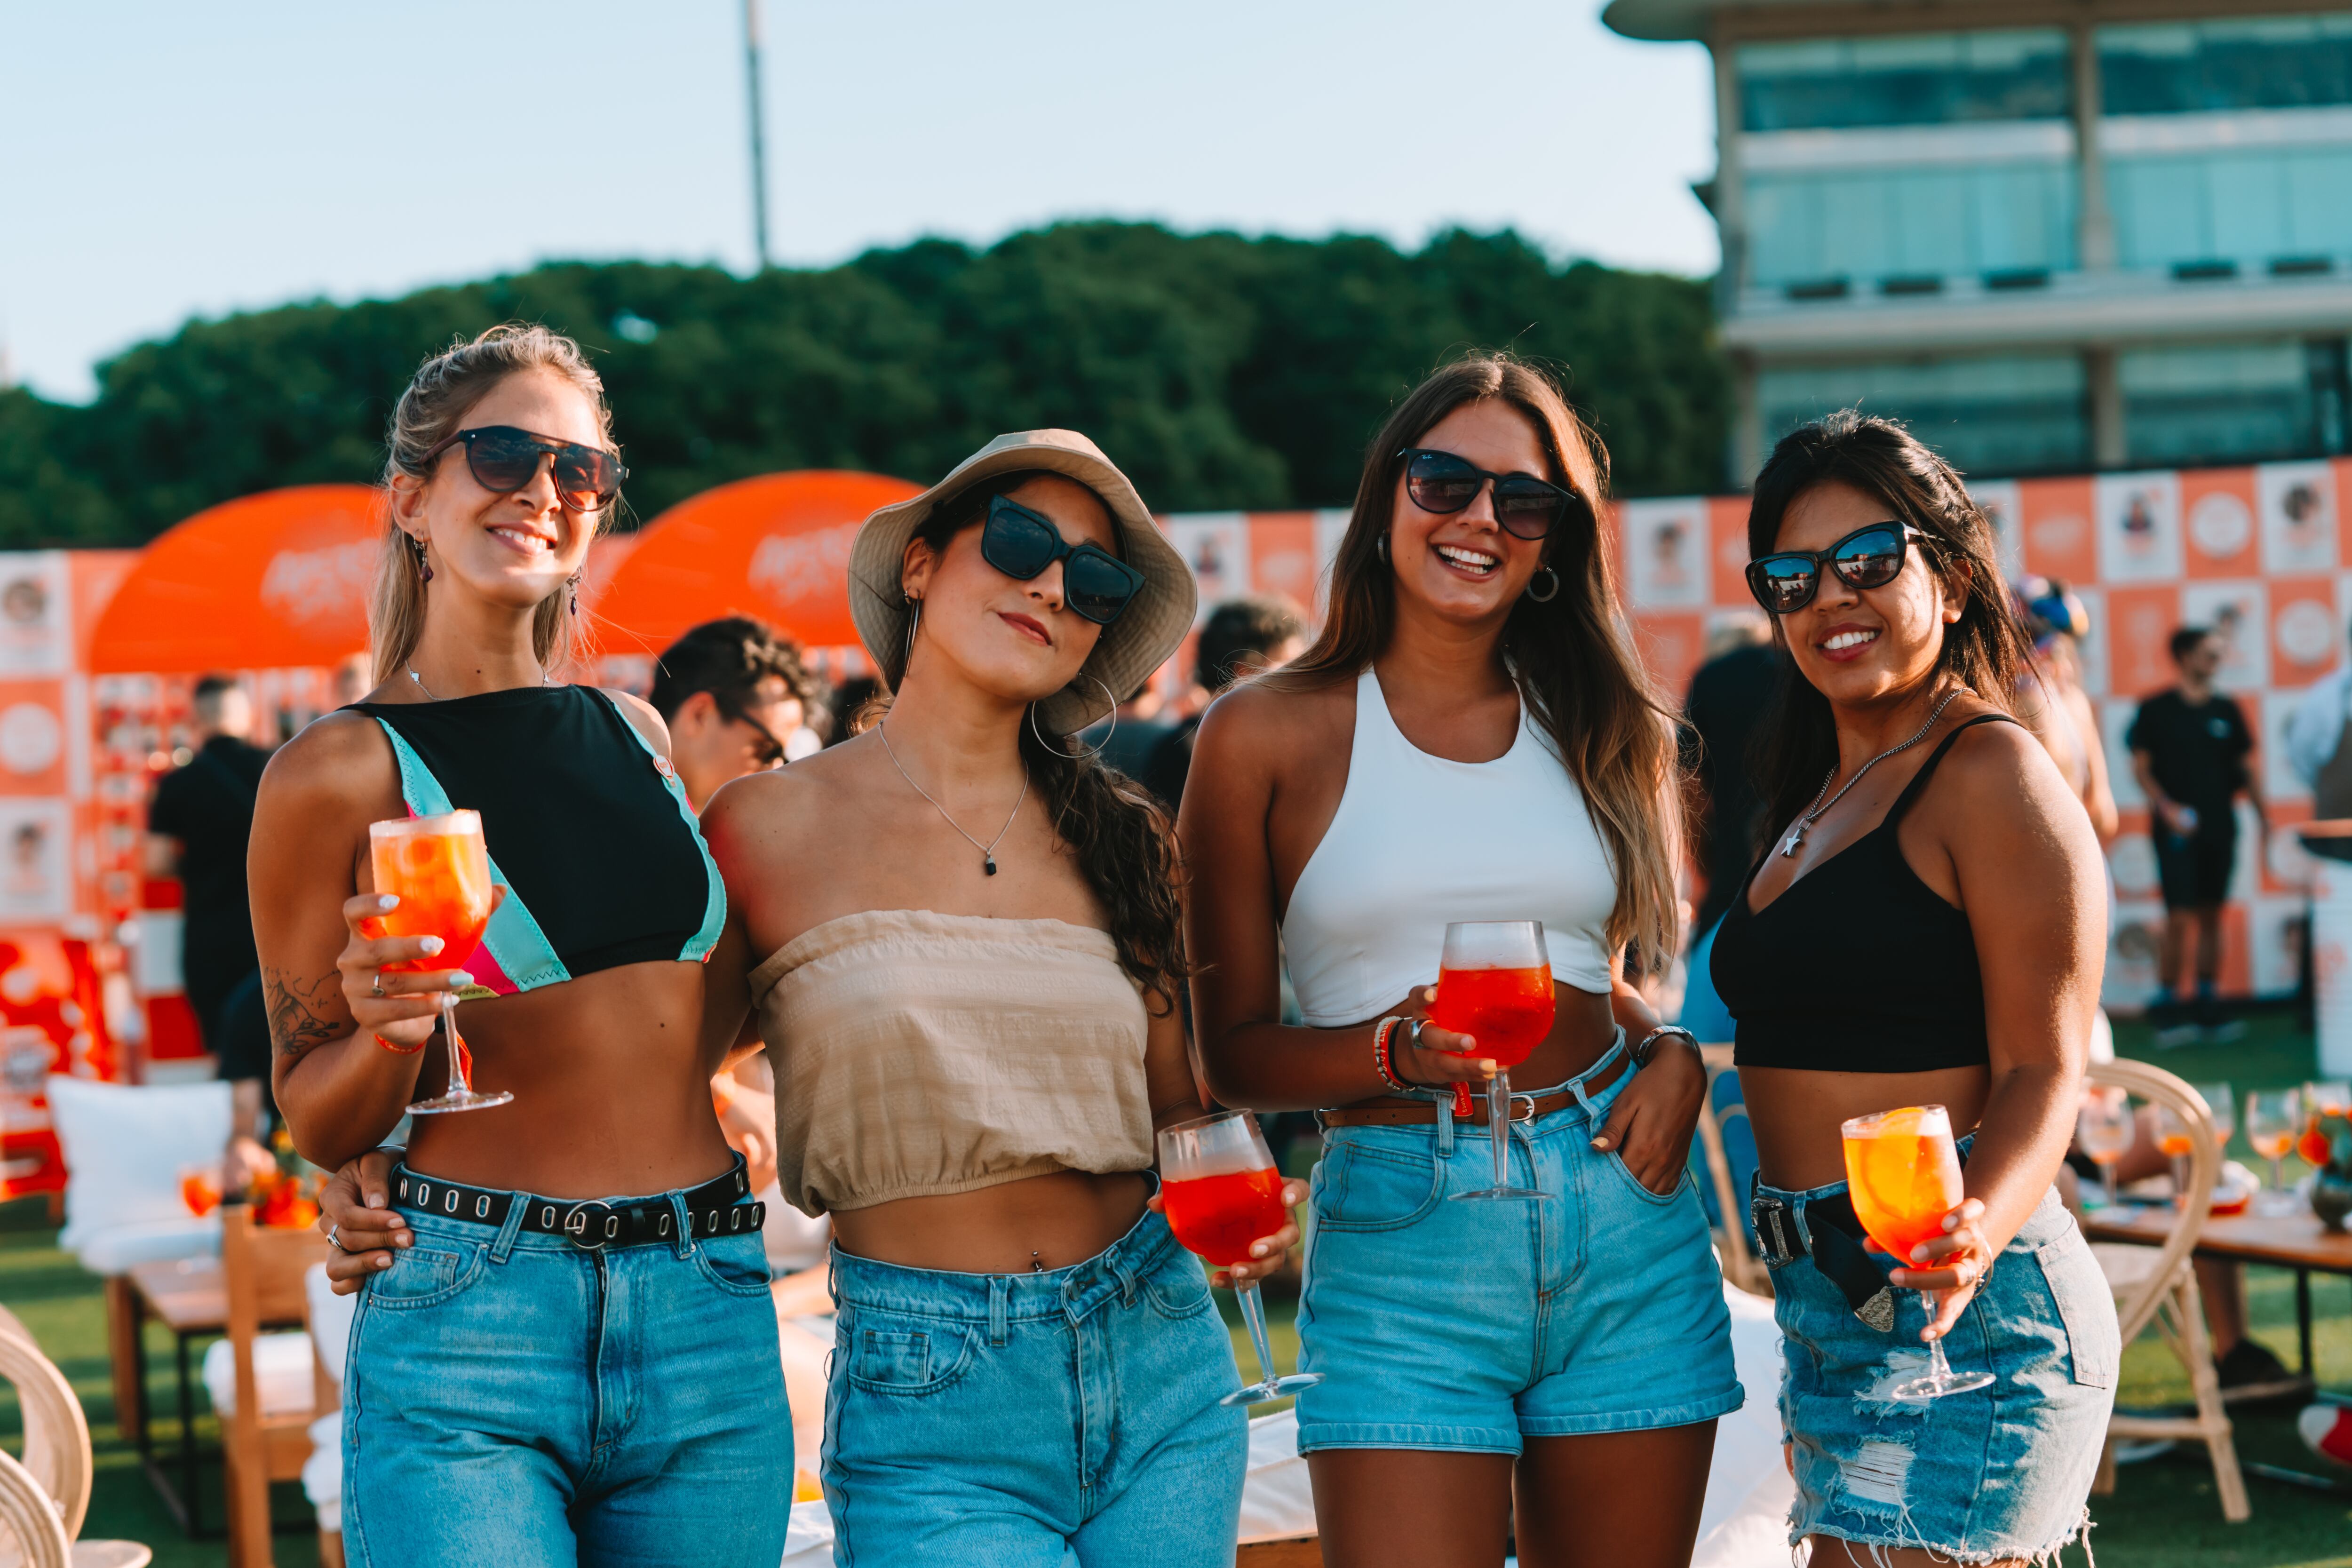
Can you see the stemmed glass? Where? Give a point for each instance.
(2221, 1100)
(1222, 1192)
(2104, 1128)
(439, 869)
(2174, 1142)
(2333, 1097)
(2274, 1118)
(1493, 984)
(1903, 1173)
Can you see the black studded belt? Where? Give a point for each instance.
(714, 1208)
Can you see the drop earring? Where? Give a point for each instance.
(573, 583)
(423, 567)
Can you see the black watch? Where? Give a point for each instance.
(1648, 1046)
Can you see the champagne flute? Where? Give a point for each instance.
(1903, 1173)
(2274, 1117)
(2104, 1128)
(440, 869)
(1493, 984)
(1222, 1192)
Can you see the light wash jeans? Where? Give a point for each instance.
(512, 1399)
(1012, 1420)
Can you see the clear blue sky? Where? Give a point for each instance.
(161, 160)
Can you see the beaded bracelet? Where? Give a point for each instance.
(403, 1050)
(1384, 1033)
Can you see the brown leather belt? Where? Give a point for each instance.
(1424, 1112)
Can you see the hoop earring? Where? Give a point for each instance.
(913, 624)
(1548, 595)
(1089, 754)
(1381, 548)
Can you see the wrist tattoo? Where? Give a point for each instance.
(298, 1009)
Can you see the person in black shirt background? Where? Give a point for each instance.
(1241, 636)
(2188, 748)
(1727, 697)
(197, 827)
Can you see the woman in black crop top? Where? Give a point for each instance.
(1927, 925)
(565, 1346)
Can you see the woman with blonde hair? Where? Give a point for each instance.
(1470, 740)
(565, 1346)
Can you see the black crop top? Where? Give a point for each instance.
(1857, 966)
(586, 823)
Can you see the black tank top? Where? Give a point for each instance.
(1857, 966)
(586, 823)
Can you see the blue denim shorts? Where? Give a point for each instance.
(1008, 1419)
(1476, 1326)
(2002, 1472)
(512, 1398)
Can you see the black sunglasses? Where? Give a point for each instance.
(1021, 544)
(1869, 557)
(1527, 507)
(503, 459)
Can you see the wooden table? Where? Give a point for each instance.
(2295, 1241)
(190, 1297)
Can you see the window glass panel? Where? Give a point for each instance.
(1989, 416)
(1929, 234)
(2221, 403)
(2247, 193)
(2284, 62)
(1865, 226)
(2160, 213)
(1917, 79)
(2319, 200)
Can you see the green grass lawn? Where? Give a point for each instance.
(2163, 1515)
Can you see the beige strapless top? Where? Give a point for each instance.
(918, 1053)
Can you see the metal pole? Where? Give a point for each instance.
(759, 141)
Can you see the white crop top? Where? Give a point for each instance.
(1420, 842)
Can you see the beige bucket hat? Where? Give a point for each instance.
(1152, 628)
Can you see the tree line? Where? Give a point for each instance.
(1220, 372)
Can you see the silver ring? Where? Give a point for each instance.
(335, 1239)
(377, 986)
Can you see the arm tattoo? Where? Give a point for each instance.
(296, 1007)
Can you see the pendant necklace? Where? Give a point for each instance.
(1790, 844)
(987, 851)
(544, 679)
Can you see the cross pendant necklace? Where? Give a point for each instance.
(1789, 846)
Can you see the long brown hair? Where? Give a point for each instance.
(1574, 665)
(1124, 844)
(1986, 648)
(440, 395)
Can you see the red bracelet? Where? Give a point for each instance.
(1384, 1033)
(402, 1050)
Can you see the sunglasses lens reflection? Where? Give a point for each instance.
(1784, 583)
(1438, 481)
(1097, 586)
(502, 460)
(1871, 559)
(1017, 544)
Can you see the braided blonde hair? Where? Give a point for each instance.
(444, 390)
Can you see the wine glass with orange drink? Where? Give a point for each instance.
(439, 869)
(1903, 1173)
(1221, 1191)
(2104, 1128)
(1493, 984)
(2274, 1118)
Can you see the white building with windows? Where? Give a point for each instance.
(2101, 234)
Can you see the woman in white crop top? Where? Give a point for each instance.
(959, 939)
(1408, 772)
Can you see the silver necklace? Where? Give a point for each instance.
(987, 851)
(1790, 844)
(544, 679)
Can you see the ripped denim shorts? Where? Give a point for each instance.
(2002, 1472)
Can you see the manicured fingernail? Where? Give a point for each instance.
(375, 1200)
(1600, 1142)
(385, 902)
(1258, 1249)
(459, 980)
(1952, 1223)
(385, 1261)
(431, 944)
(1919, 1253)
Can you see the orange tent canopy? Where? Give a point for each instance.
(776, 546)
(270, 581)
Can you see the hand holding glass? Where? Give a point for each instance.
(1493, 984)
(1222, 1192)
(2104, 1128)
(440, 870)
(1903, 1176)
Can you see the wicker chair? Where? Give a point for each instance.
(56, 1463)
(1740, 1264)
(2165, 1292)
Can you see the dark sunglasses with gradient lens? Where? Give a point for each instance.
(1869, 557)
(1022, 543)
(503, 459)
(1527, 507)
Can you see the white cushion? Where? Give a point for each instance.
(322, 1472)
(1277, 1496)
(1743, 1523)
(281, 1369)
(124, 1148)
(809, 1543)
(330, 1320)
(116, 1248)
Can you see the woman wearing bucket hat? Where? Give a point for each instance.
(1470, 740)
(958, 938)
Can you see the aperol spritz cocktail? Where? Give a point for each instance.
(440, 870)
(2104, 1128)
(1903, 1173)
(1493, 984)
(1222, 1192)
(2274, 1119)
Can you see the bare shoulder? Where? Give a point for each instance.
(2000, 779)
(769, 812)
(342, 755)
(644, 715)
(1261, 720)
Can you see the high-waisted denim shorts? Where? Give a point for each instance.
(1475, 1326)
(513, 1398)
(1009, 1419)
(2002, 1472)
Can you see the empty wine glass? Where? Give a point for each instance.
(2104, 1128)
